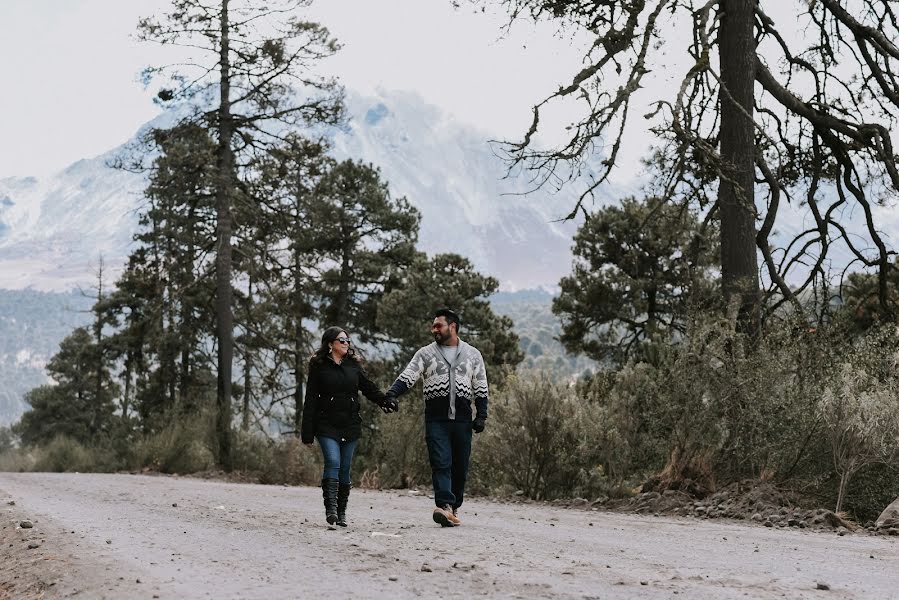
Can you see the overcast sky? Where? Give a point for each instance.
(69, 69)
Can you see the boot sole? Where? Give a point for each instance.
(442, 520)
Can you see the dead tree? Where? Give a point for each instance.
(765, 113)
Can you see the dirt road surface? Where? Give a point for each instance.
(126, 536)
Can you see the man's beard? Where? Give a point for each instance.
(440, 338)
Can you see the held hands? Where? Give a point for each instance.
(478, 425)
(390, 405)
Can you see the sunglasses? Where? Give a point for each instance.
(343, 340)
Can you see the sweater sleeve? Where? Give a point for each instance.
(479, 385)
(310, 407)
(409, 376)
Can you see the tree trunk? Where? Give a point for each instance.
(184, 378)
(300, 378)
(140, 382)
(343, 286)
(299, 360)
(224, 185)
(841, 493)
(337, 313)
(98, 337)
(247, 385)
(247, 362)
(736, 192)
(171, 370)
(127, 394)
(187, 326)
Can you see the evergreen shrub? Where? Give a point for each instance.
(183, 446)
(63, 454)
(286, 462)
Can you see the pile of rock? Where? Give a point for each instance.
(758, 502)
(820, 518)
(755, 501)
(888, 521)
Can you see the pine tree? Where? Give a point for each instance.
(369, 241)
(181, 234)
(449, 280)
(255, 58)
(282, 246)
(636, 269)
(81, 404)
(163, 297)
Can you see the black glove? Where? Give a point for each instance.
(478, 425)
(390, 405)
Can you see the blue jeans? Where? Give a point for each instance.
(449, 450)
(338, 457)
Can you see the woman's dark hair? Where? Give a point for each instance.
(328, 336)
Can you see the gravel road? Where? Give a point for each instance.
(127, 536)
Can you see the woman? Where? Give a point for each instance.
(331, 415)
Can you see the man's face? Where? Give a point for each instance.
(441, 330)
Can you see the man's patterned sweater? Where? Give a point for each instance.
(448, 388)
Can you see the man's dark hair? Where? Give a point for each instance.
(450, 316)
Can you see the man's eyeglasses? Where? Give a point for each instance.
(343, 340)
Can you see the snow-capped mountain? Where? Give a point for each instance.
(54, 230)
(451, 173)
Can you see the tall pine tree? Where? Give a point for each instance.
(255, 60)
(369, 241)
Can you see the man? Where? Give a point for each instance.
(454, 376)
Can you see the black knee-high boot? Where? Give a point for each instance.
(343, 496)
(329, 494)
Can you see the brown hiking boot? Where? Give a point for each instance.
(444, 517)
(456, 514)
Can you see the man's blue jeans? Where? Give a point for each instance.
(449, 450)
(338, 457)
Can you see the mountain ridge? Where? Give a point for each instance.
(54, 230)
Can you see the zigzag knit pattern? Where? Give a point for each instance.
(470, 378)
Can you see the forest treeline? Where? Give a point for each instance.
(724, 351)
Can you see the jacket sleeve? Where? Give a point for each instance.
(479, 386)
(409, 375)
(310, 407)
(369, 389)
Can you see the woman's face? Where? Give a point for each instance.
(341, 345)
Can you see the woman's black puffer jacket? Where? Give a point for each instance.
(331, 407)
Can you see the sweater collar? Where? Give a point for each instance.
(461, 345)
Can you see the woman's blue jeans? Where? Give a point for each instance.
(338, 457)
